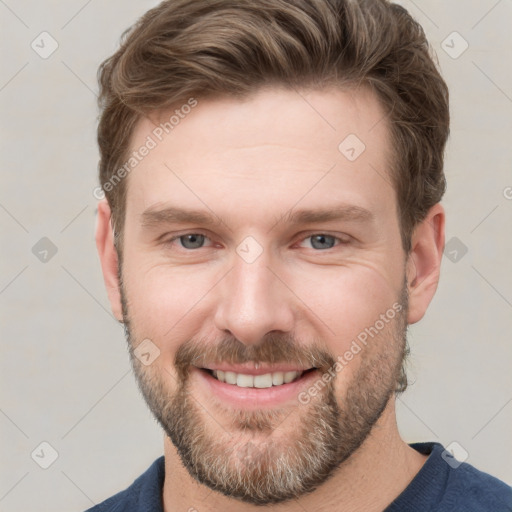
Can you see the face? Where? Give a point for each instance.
(263, 271)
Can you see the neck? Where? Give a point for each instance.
(368, 481)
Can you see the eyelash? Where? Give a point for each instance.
(339, 240)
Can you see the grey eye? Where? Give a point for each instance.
(322, 241)
(192, 241)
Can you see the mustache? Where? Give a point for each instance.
(274, 348)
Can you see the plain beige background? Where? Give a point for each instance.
(65, 375)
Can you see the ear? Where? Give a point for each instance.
(424, 262)
(108, 258)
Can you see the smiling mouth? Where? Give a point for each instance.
(266, 380)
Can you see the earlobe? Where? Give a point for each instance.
(424, 262)
(108, 257)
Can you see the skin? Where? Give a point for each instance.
(250, 163)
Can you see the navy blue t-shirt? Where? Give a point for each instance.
(438, 486)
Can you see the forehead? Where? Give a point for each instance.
(266, 153)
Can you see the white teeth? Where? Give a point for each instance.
(289, 376)
(278, 378)
(263, 381)
(256, 381)
(230, 377)
(244, 381)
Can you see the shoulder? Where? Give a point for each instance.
(472, 490)
(463, 487)
(143, 494)
(445, 484)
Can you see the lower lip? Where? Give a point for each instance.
(255, 398)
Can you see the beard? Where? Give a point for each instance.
(260, 458)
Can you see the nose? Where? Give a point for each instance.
(254, 302)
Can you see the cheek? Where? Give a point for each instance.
(348, 300)
(164, 301)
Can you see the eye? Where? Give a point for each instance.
(191, 240)
(322, 241)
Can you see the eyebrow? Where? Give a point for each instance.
(342, 212)
(172, 215)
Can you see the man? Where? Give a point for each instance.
(273, 171)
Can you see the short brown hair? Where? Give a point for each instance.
(213, 48)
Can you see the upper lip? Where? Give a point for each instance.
(249, 369)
